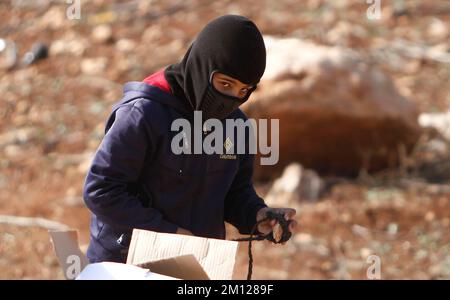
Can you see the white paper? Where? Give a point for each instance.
(118, 271)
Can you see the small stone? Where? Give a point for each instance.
(21, 135)
(71, 192)
(57, 47)
(125, 45)
(152, 34)
(102, 34)
(303, 238)
(365, 252)
(54, 18)
(38, 51)
(392, 228)
(437, 30)
(14, 151)
(93, 66)
(429, 216)
(69, 45)
(8, 54)
(73, 201)
(360, 230)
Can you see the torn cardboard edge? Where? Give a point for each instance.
(183, 267)
(173, 255)
(71, 259)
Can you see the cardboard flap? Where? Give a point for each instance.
(183, 267)
(217, 257)
(70, 257)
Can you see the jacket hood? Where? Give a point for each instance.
(231, 45)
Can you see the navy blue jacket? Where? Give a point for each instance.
(135, 181)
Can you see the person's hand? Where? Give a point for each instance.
(184, 231)
(268, 226)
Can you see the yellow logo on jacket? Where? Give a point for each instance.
(228, 145)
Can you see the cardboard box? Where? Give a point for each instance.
(151, 255)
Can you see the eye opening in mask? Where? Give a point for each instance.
(242, 100)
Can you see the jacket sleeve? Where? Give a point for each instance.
(242, 203)
(116, 165)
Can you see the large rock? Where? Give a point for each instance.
(439, 121)
(295, 185)
(337, 114)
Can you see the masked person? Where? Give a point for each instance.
(137, 181)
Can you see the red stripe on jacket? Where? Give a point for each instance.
(157, 79)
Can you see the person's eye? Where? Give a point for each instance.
(244, 91)
(225, 84)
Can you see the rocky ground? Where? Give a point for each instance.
(53, 113)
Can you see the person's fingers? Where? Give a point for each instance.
(293, 225)
(267, 226)
(290, 213)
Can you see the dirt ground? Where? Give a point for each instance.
(52, 117)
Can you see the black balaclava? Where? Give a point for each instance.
(231, 45)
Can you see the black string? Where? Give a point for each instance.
(250, 239)
(285, 236)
